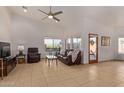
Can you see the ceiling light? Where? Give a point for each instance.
(50, 16)
(25, 9)
(56, 21)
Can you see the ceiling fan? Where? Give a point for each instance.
(51, 15)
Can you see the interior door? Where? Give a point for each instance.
(93, 48)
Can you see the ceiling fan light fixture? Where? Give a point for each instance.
(25, 9)
(50, 17)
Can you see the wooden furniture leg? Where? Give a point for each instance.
(56, 62)
(1, 60)
(49, 62)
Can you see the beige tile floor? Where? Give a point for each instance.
(106, 74)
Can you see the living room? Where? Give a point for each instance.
(27, 29)
(20, 27)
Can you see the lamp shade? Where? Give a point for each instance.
(20, 47)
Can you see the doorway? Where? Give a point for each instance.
(93, 48)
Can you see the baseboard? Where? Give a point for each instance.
(118, 60)
(85, 63)
(107, 60)
(102, 61)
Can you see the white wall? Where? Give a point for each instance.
(86, 26)
(4, 25)
(31, 33)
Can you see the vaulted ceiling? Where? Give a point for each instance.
(110, 16)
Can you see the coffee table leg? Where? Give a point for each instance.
(48, 62)
(56, 62)
(46, 59)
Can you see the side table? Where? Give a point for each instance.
(21, 59)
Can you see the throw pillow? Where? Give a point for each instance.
(70, 53)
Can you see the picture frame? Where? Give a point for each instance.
(105, 41)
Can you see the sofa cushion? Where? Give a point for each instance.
(76, 51)
(64, 57)
(75, 55)
(59, 55)
(62, 52)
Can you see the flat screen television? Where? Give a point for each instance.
(4, 50)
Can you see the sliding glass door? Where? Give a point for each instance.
(52, 45)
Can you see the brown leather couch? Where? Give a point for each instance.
(33, 56)
(67, 59)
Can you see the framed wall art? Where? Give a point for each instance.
(105, 41)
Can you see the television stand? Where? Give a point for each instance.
(1, 63)
(9, 63)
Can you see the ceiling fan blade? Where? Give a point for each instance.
(56, 19)
(57, 13)
(42, 11)
(45, 18)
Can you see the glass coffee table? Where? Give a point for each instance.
(50, 58)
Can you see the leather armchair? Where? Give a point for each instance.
(33, 56)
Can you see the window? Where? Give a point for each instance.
(68, 43)
(76, 43)
(52, 44)
(121, 45)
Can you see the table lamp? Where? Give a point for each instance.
(21, 49)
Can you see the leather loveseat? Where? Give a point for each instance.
(67, 59)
